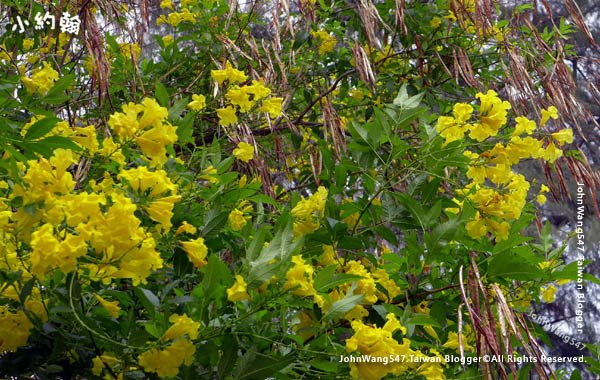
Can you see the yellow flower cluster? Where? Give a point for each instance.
(14, 329)
(176, 18)
(96, 230)
(166, 362)
(41, 80)
(498, 193)
(309, 211)
(373, 283)
(145, 125)
(244, 98)
(492, 116)
(377, 342)
(326, 41)
(157, 187)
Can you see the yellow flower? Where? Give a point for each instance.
(167, 4)
(143, 181)
(161, 210)
(552, 152)
(378, 342)
(564, 136)
(182, 325)
(112, 307)
(196, 251)
(14, 329)
(327, 42)
(238, 291)
(198, 103)
(492, 113)
(309, 211)
(210, 174)
(237, 220)
(28, 43)
(125, 124)
(100, 362)
(227, 116)
(300, 278)
(154, 141)
(130, 51)
(452, 342)
(550, 113)
(240, 97)
(524, 125)
(435, 22)
(185, 227)
(450, 129)
(549, 294)
(476, 228)
(244, 152)
(167, 40)
(272, 106)
(229, 73)
(258, 89)
(166, 362)
(41, 80)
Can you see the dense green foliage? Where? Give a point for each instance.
(262, 189)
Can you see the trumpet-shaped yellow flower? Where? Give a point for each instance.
(112, 307)
(186, 228)
(453, 343)
(227, 116)
(182, 326)
(41, 80)
(244, 152)
(240, 97)
(198, 102)
(272, 106)
(564, 136)
(196, 251)
(547, 114)
(238, 291)
(229, 73)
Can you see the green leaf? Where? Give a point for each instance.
(404, 101)
(56, 94)
(178, 108)
(162, 95)
(509, 265)
(341, 307)
(423, 320)
(40, 128)
(264, 366)
(275, 257)
(216, 222)
(185, 129)
(48, 145)
(26, 290)
(327, 279)
(148, 299)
